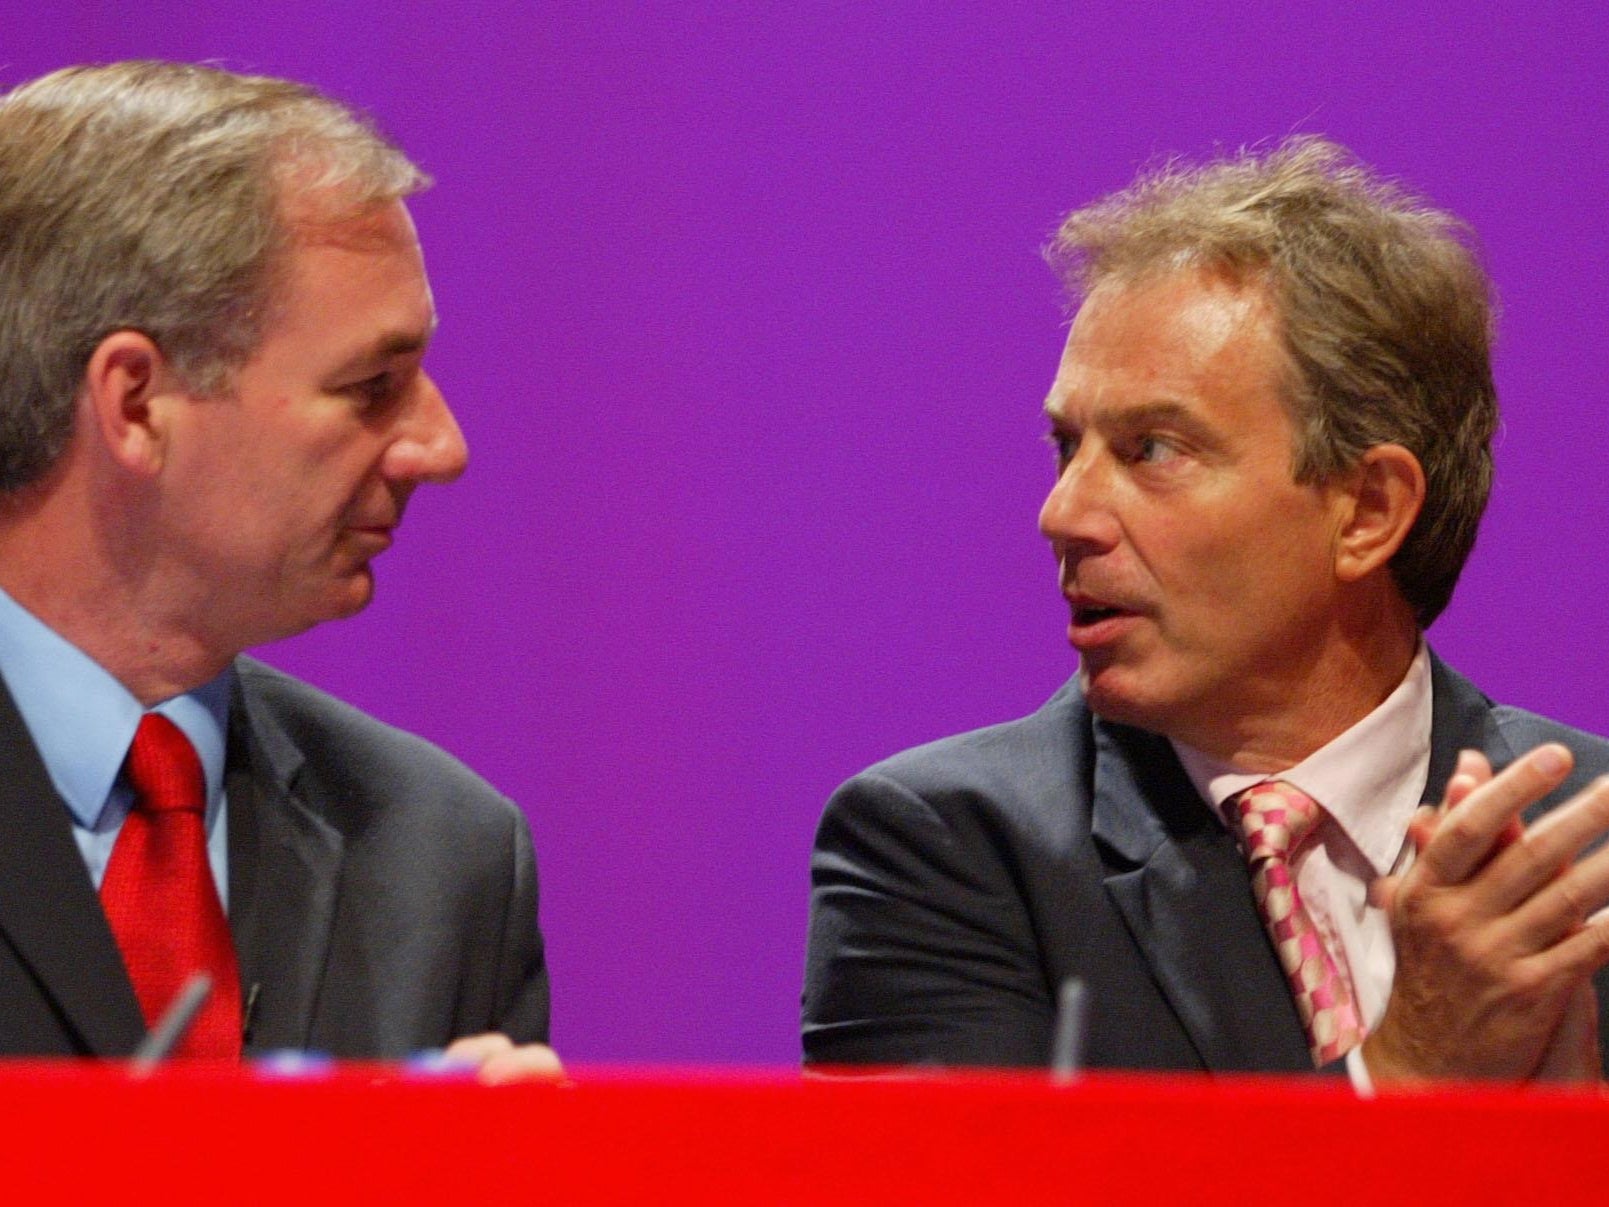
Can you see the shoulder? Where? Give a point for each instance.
(1047, 737)
(1526, 729)
(330, 750)
(1504, 732)
(1523, 730)
(1011, 771)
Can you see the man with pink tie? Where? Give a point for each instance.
(1261, 825)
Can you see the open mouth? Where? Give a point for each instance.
(1094, 615)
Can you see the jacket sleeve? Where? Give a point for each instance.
(522, 992)
(920, 950)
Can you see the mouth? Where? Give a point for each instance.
(1085, 615)
(1097, 621)
(1091, 609)
(378, 535)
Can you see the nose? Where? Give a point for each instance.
(430, 445)
(1077, 513)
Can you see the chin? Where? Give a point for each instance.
(1114, 696)
(337, 606)
(352, 606)
(353, 595)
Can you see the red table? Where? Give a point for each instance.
(369, 1134)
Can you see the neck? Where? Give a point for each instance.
(1278, 722)
(94, 585)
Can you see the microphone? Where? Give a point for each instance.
(248, 1014)
(165, 1036)
(1072, 1027)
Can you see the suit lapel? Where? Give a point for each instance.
(1460, 718)
(49, 910)
(284, 866)
(1179, 881)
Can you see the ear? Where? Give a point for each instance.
(1382, 495)
(131, 390)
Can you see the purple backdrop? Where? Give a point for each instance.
(744, 318)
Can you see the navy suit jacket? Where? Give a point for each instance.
(956, 885)
(382, 897)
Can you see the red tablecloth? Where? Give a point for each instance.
(369, 1134)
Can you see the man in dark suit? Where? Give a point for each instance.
(1262, 825)
(213, 313)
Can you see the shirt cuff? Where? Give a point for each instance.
(1358, 1072)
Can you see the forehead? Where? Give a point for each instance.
(1188, 335)
(358, 277)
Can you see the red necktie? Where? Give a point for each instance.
(1275, 818)
(159, 895)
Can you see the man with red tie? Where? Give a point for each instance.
(1261, 825)
(213, 411)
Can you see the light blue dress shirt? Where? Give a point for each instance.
(82, 721)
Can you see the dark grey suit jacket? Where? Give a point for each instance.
(956, 885)
(382, 897)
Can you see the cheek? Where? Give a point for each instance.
(1196, 557)
(1246, 564)
(1287, 564)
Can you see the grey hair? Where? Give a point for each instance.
(158, 197)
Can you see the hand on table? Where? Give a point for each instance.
(499, 1060)
(1493, 931)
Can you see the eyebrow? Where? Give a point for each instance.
(389, 346)
(1127, 420)
(1143, 413)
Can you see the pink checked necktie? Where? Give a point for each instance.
(1275, 817)
(159, 895)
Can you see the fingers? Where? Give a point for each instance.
(1530, 877)
(1499, 806)
(1422, 825)
(1572, 1054)
(1497, 928)
(477, 1049)
(1486, 813)
(1471, 771)
(498, 1060)
(1583, 953)
(1570, 898)
(526, 1062)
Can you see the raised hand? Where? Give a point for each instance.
(1495, 945)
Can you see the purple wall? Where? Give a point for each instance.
(744, 318)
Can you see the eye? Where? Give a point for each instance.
(1063, 444)
(376, 391)
(1151, 449)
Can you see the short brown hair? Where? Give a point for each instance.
(1385, 309)
(153, 196)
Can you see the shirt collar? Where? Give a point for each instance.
(82, 719)
(1370, 779)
